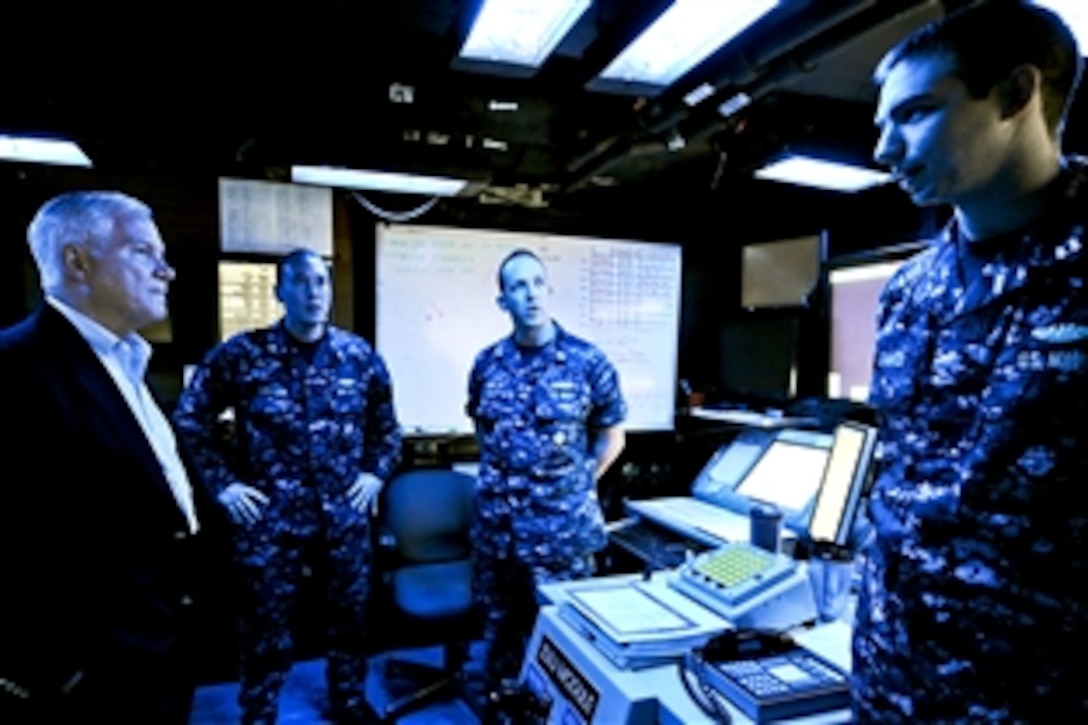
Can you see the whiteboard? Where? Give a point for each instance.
(436, 309)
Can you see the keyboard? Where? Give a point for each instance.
(653, 546)
(736, 572)
(695, 518)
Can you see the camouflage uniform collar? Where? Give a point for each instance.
(283, 342)
(551, 349)
(1012, 261)
(1055, 238)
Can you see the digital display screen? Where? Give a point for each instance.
(727, 469)
(782, 273)
(247, 297)
(846, 451)
(789, 673)
(854, 293)
(788, 475)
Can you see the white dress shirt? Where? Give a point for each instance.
(125, 359)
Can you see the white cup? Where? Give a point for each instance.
(830, 582)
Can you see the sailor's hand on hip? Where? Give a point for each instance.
(244, 503)
(363, 494)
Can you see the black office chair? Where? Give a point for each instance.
(424, 579)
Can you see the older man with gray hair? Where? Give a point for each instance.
(99, 528)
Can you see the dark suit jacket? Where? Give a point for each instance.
(98, 563)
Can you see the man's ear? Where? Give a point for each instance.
(74, 259)
(500, 300)
(1017, 90)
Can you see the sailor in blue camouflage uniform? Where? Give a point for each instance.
(315, 437)
(972, 606)
(548, 411)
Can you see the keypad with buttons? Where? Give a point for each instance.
(797, 682)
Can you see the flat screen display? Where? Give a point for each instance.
(854, 292)
(780, 274)
(787, 475)
(758, 358)
(247, 297)
(850, 452)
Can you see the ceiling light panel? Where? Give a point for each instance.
(34, 150)
(823, 174)
(520, 32)
(681, 38)
(377, 180)
(699, 94)
(734, 104)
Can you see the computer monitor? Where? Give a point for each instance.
(853, 293)
(757, 358)
(779, 467)
(783, 273)
(787, 475)
(844, 481)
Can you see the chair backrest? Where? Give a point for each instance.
(428, 512)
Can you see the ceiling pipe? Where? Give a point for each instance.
(754, 74)
(705, 120)
(670, 110)
(746, 65)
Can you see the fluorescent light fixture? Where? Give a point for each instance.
(42, 151)
(734, 104)
(520, 32)
(502, 106)
(377, 180)
(700, 94)
(808, 171)
(1075, 15)
(682, 37)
